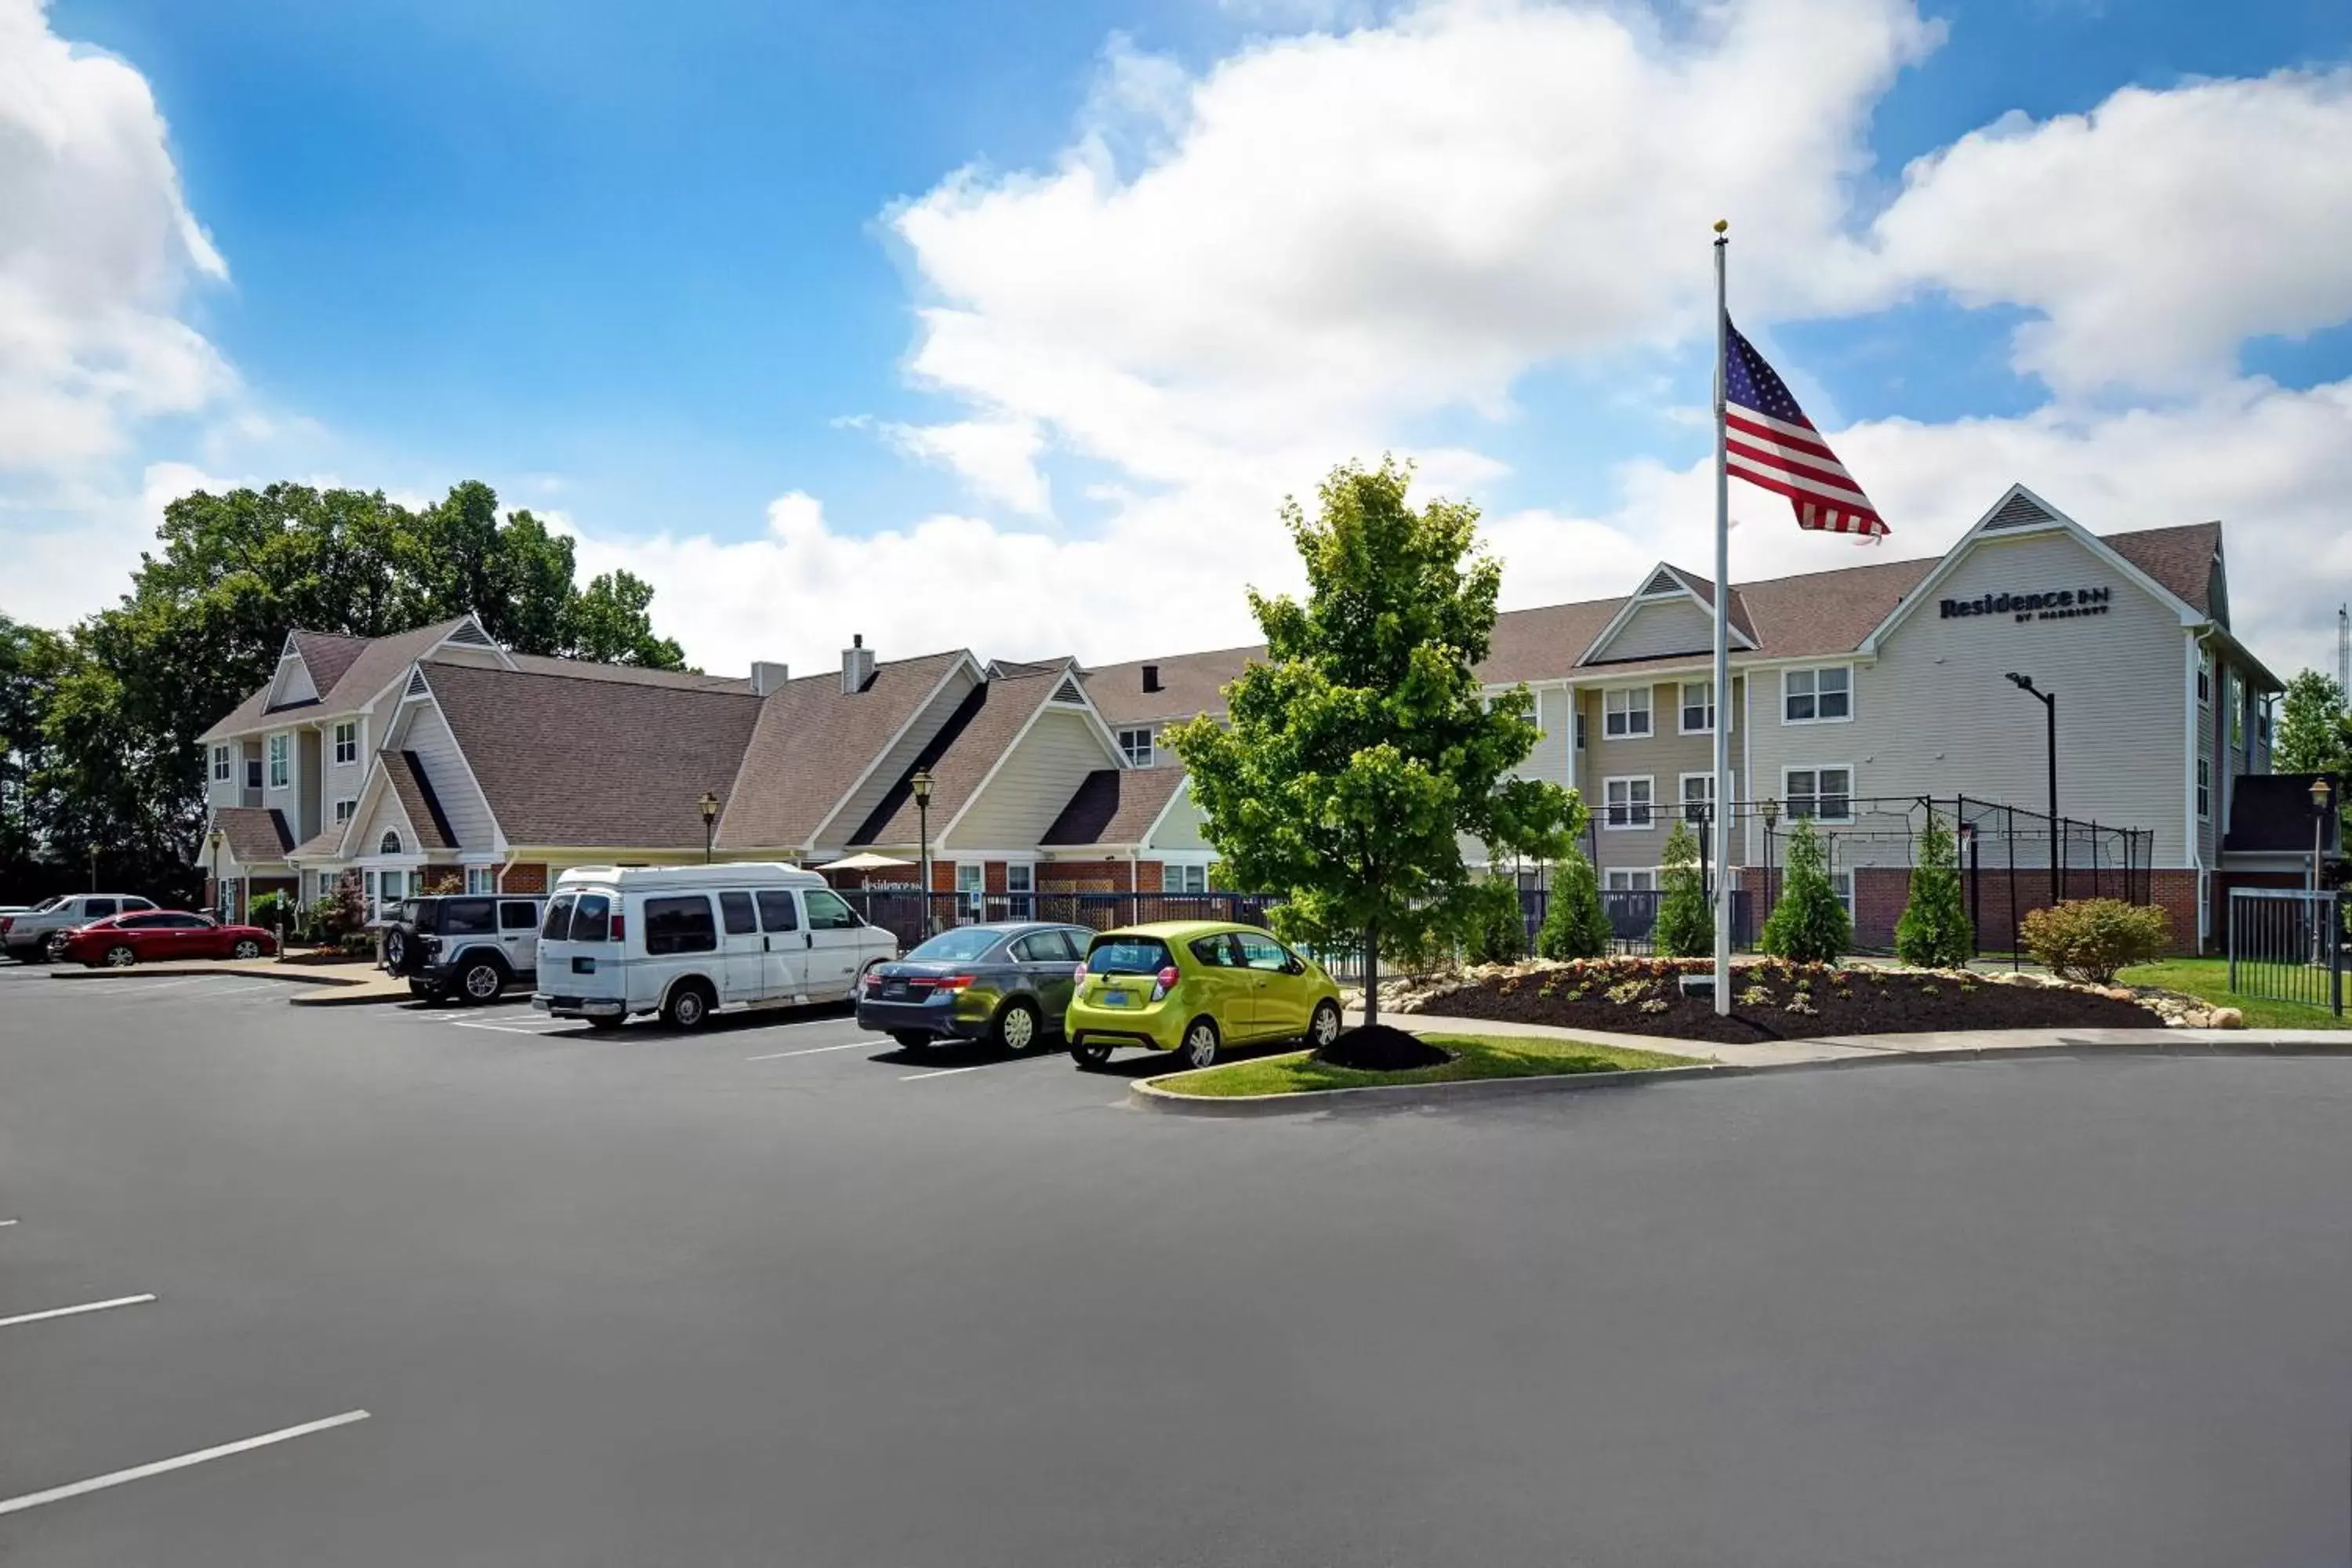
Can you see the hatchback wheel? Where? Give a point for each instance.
(1017, 1027)
(911, 1040)
(481, 982)
(246, 948)
(1324, 1027)
(1090, 1053)
(120, 957)
(1200, 1044)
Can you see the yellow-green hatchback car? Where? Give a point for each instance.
(1195, 987)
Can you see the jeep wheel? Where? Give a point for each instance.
(480, 981)
(395, 952)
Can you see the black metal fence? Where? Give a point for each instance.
(910, 915)
(2287, 946)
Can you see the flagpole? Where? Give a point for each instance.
(1723, 800)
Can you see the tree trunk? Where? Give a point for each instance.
(1372, 975)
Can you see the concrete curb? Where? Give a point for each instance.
(1146, 1094)
(293, 974)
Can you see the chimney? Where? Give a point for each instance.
(856, 665)
(1152, 678)
(768, 676)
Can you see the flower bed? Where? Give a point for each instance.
(1774, 1000)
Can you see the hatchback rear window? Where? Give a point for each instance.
(1128, 955)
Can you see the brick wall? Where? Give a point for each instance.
(942, 876)
(992, 876)
(524, 877)
(1147, 878)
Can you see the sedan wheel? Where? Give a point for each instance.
(54, 950)
(120, 957)
(1017, 1027)
(246, 948)
(1200, 1044)
(1325, 1027)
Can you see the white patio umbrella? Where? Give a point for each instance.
(864, 860)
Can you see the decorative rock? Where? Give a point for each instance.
(2226, 1018)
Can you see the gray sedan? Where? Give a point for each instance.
(1007, 984)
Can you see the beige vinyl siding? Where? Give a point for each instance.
(428, 734)
(309, 758)
(2213, 720)
(1934, 715)
(386, 813)
(1033, 783)
(343, 781)
(282, 799)
(1180, 826)
(1664, 757)
(900, 757)
(227, 791)
(291, 682)
(1658, 628)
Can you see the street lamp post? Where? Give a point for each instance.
(2322, 796)
(1771, 809)
(213, 840)
(921, 785)
(2048, 701)
(709, 804)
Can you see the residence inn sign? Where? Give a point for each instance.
(2063, 604)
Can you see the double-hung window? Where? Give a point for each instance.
(281, 760)
(1698, 708)
(344, 808)
(1825, 794)
(1816, 696)
(1580, 729)
(1175, 879)
(2204, 788)
(1699, 796)
(1136, 746)
(1633, 879)
(2205, 678)
(347, 743)
(971, 880)
(1626, 801)
(482, 880)
(1625, 713)
(220, 764)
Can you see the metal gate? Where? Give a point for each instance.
(2287, 946)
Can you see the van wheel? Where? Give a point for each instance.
(604, 1022)
(1017, 1027)
(1200, 1048)
(481, 981)
(688, 1006)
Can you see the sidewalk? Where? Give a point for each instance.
(327, 984)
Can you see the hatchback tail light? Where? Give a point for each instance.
(1163, 982)
(1080, 976)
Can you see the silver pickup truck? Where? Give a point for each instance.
(26, 937)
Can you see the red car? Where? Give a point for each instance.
(160, 936)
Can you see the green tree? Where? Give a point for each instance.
(1808, 925)
(32, 662)
(2315, 734)
(1496, 928)
(1933, 932)
(1576, 922)
(1360, 751)
(1685, 925)
(609, 625)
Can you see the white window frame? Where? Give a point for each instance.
(1683, 801)
(1617, 722)
(1647, 805)
(1683, 707)
(481, 880)
(971, 896)
(2204, 789)
(346, 808)
(1138, 756)
(1020, 877)
(1610, 879)
(1789, 797)
(2204, 679)
(1842, 884)
(1580, 728)
(1185, 872)
(347, 740)
(222, 772)
(278, 754)
(1813, 673)
(390, 843)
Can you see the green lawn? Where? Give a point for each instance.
(2210, 978)
(1475, 1056)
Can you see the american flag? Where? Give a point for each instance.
(1768, 441)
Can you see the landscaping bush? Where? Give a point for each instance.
(2090, 938)
(1685, 926)
(1496, 929)
(1933, 932)
(269, 911)
(337, 914)
(1575, 923)
(1808, 925)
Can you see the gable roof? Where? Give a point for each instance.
(2181, 559)
(362, 672)
(1665, 584)
(632, 674)
(1189, 684)
(966, 749)
(405, 774)
(812, 743)
(1115, 806)
(254, 834)
(565, 759)
(329, 656)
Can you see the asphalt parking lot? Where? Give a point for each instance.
(780, 1292)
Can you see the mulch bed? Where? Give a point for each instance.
(1644, 997)
(1376, 1048)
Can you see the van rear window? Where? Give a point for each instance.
(591, 918)
(1128, 955)
(559, 918)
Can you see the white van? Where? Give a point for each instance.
(682, 941)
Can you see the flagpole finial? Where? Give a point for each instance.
(1722, 224)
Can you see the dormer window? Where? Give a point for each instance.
(1136, 746)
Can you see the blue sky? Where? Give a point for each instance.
(663, 271)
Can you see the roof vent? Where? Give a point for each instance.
(768, 676)
(417, 687)
(1663, 582)
(1068, 692)
(2019, 510)
(471, 632)
(1152, 678)
(857, 666)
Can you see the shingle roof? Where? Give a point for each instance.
(254, 834)
(678, 679)
(563, 760)
(407, 775)
(812, 742)
(323, 845)
(1189, 684)
(1115, 806)
(2180, 558)
(376, 663)
(327, 655)
(972, 740)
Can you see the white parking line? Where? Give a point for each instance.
(6, 1222)
(258, 985)
(817, 1050)
(73, 1311)
(140, 1472)
(557, 1029)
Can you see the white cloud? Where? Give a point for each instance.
(996, 458)
(96, 246)
(2154, 233)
